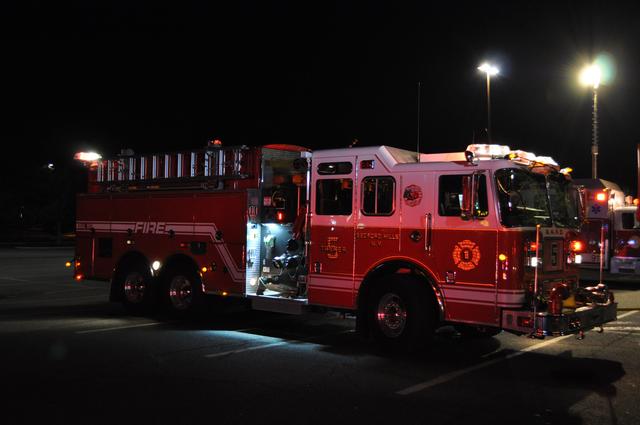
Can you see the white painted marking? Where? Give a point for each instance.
(622, 328)
(278, 343)
(453, 375)
(628, 313)
(242, 350)
(47, 301)
(12, 278)
(117, 328)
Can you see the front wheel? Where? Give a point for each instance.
(401, 314)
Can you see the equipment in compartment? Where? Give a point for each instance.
(283, 262)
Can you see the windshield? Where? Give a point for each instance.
(564, 201)
(528, 199)
(522, 197)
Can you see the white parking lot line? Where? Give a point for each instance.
(277, 343)
(453, 375)
(242, 350)
(117, 328)
(48, 301)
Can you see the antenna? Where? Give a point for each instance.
(418, 132)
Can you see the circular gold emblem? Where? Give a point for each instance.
(466, 255)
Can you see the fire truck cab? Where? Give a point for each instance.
(481, 239)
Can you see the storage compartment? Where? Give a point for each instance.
(276, 265)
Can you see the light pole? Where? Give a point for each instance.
(590, 76)
(490, 70)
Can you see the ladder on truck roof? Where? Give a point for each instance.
(173, 170)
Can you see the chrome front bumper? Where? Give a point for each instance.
(545, 324)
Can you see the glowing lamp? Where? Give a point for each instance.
(601, 197)
(576, 246)
(591, 76)
(280, 216)
(489, 69)
(87, 156)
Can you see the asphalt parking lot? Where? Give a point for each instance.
(70, 356)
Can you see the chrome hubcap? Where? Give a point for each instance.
(134, 287)
(391, 315)
(180, 292)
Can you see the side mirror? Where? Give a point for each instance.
(466, 209)
(582, 204)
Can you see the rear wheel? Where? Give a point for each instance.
(401, 314)
(183, 291)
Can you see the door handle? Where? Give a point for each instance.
(428, 232)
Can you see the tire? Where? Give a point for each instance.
(182, 292)
(476, 332)
(401, 314)
(137, 289)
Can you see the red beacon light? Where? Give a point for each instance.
(576, 246)
(601, 196)
(216, 143)
(280, 216)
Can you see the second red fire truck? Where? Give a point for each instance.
(611, 228)
(482, 239)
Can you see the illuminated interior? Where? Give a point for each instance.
(275, 257)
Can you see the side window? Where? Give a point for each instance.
(334, 196)
(450, 196)
(335, 168)
(378, 195)
(628, 221)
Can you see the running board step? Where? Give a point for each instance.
(279, 305)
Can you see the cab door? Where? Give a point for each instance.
(333, 217)
(464, 248)
(377, 234)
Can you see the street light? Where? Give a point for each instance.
(490, 70)
(590, 76)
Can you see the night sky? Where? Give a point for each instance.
(156, 76)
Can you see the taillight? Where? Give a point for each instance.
(531, 259)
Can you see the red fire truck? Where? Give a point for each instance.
(480, 239)
(610, 222)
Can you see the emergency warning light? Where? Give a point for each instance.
(87, 156)
(576, 246)
(601, 196)
(490, 151)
